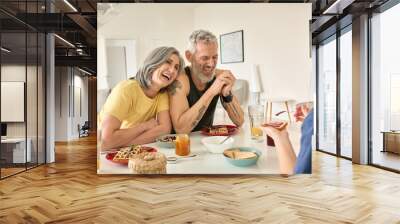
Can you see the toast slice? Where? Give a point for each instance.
(231, 153)
(219, 131)
(237, 154)
(280, 125)
(244, 155)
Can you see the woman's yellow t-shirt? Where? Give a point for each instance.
(128, 103)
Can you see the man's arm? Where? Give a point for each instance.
(233, 108)
(184, 119)
(163, 127)
(235, 111)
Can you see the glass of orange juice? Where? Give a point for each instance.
(182, 145)
(256, 116)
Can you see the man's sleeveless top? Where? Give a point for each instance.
(194, 96)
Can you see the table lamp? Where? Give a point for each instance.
(255, 87)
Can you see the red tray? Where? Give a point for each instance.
(232, 129)
(110, 155)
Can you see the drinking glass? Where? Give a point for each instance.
(256, 116)
(182, 145)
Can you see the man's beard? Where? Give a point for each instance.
(202, 77)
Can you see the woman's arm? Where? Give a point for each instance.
(163, 127)
(114, 137)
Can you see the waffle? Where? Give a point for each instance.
(125, 153)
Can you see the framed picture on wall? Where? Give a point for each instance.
(232, 50)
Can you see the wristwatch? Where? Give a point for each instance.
(228, 98)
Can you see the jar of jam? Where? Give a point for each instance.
(182, 145)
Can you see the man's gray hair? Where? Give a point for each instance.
(153, 61)
(200, 35)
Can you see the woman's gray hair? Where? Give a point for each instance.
(153, 61)
(200, 35)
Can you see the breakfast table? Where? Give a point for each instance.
(205, 162)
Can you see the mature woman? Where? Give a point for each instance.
(137, 110)
(288, 162)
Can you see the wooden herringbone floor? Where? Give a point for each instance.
(70, 191)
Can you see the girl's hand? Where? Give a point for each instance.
(275, 130)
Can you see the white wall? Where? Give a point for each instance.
(101, 62)
(121, 58)
(67, 83)
(17, 73)
(276, 38)
(82, 83)
(33, 126)
(150, 25)
(61, 103)
(14, 73)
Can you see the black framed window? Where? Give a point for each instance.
(326, 95)
(384, 84)
(22, 63)
(345, 93)
(334, 94)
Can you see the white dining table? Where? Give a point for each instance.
(206, 162)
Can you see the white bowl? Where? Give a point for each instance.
(213, 146)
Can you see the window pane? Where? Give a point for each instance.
(385, 88)
(31, 97)
(327, 96)
(23, 85)
(13, 84)
(346, 94)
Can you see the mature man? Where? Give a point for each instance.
(194, 94)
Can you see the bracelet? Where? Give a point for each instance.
(228, 98)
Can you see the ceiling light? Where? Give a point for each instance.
(5, 49)
(337, 7)
(64, 40)
(84, 71)
(80, 51)
(70, 5)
